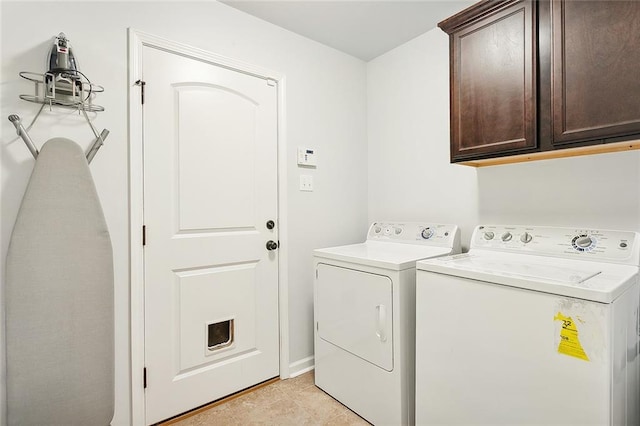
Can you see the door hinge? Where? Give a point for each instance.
(317, 326)
(141, 84)
(316, 274)
(144, 378)
(144, 235)
(272, 82)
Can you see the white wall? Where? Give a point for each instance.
(410, 175)
(325, 108)
(596, 191)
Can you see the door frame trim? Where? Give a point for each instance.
(137, 40)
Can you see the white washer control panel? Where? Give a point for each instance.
(552, 241)
(414, 233)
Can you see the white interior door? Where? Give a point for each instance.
(210, 187)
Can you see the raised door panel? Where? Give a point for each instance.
(204, 180)
(493, 97)
(596, 57)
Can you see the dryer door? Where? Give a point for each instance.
(355, 312)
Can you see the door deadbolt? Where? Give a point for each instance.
(271, 224)
(271, 245)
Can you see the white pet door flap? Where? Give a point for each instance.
(220, 335)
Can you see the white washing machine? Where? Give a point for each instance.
(534, 326)
(364, 306)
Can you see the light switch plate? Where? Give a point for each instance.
(306, 183)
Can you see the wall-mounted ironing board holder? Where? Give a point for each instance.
(91, 152)
(67, 90)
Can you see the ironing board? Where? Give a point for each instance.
(59, 297)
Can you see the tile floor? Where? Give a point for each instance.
(292, 402)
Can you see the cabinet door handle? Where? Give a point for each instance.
(381, 322)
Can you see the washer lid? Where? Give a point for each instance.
(394, 256)
(599, 282)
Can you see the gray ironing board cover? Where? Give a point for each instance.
(59, 298)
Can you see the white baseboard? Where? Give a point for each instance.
(301, 366)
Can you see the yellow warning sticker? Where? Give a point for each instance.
(569, 341)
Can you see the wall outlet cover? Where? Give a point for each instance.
(306, 183)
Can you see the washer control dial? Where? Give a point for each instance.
(488, 235)
(427, 233)
(397, 230)
(583, 242)
(377, 229)
(526, 238)
(506, 236)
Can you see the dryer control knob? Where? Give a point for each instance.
(526, 237)
(506, 236)
(398, 231)
(427, 233)
(489, 235)
(377, 229)
(584, 241)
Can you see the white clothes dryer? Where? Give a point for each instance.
(533, 326)
(364, 307)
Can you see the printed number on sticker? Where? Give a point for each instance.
(569, 341)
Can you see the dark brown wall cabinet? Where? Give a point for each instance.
(530, 76)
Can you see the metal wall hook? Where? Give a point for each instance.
(91, 152)
(20, 130)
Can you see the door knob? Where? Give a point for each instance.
(272, 245)
(271, 224)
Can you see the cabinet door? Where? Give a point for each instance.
(595, 70)
(493, 80)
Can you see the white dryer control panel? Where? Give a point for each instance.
(415, 233)
(591, 244)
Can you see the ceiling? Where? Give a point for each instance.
(364, 29)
